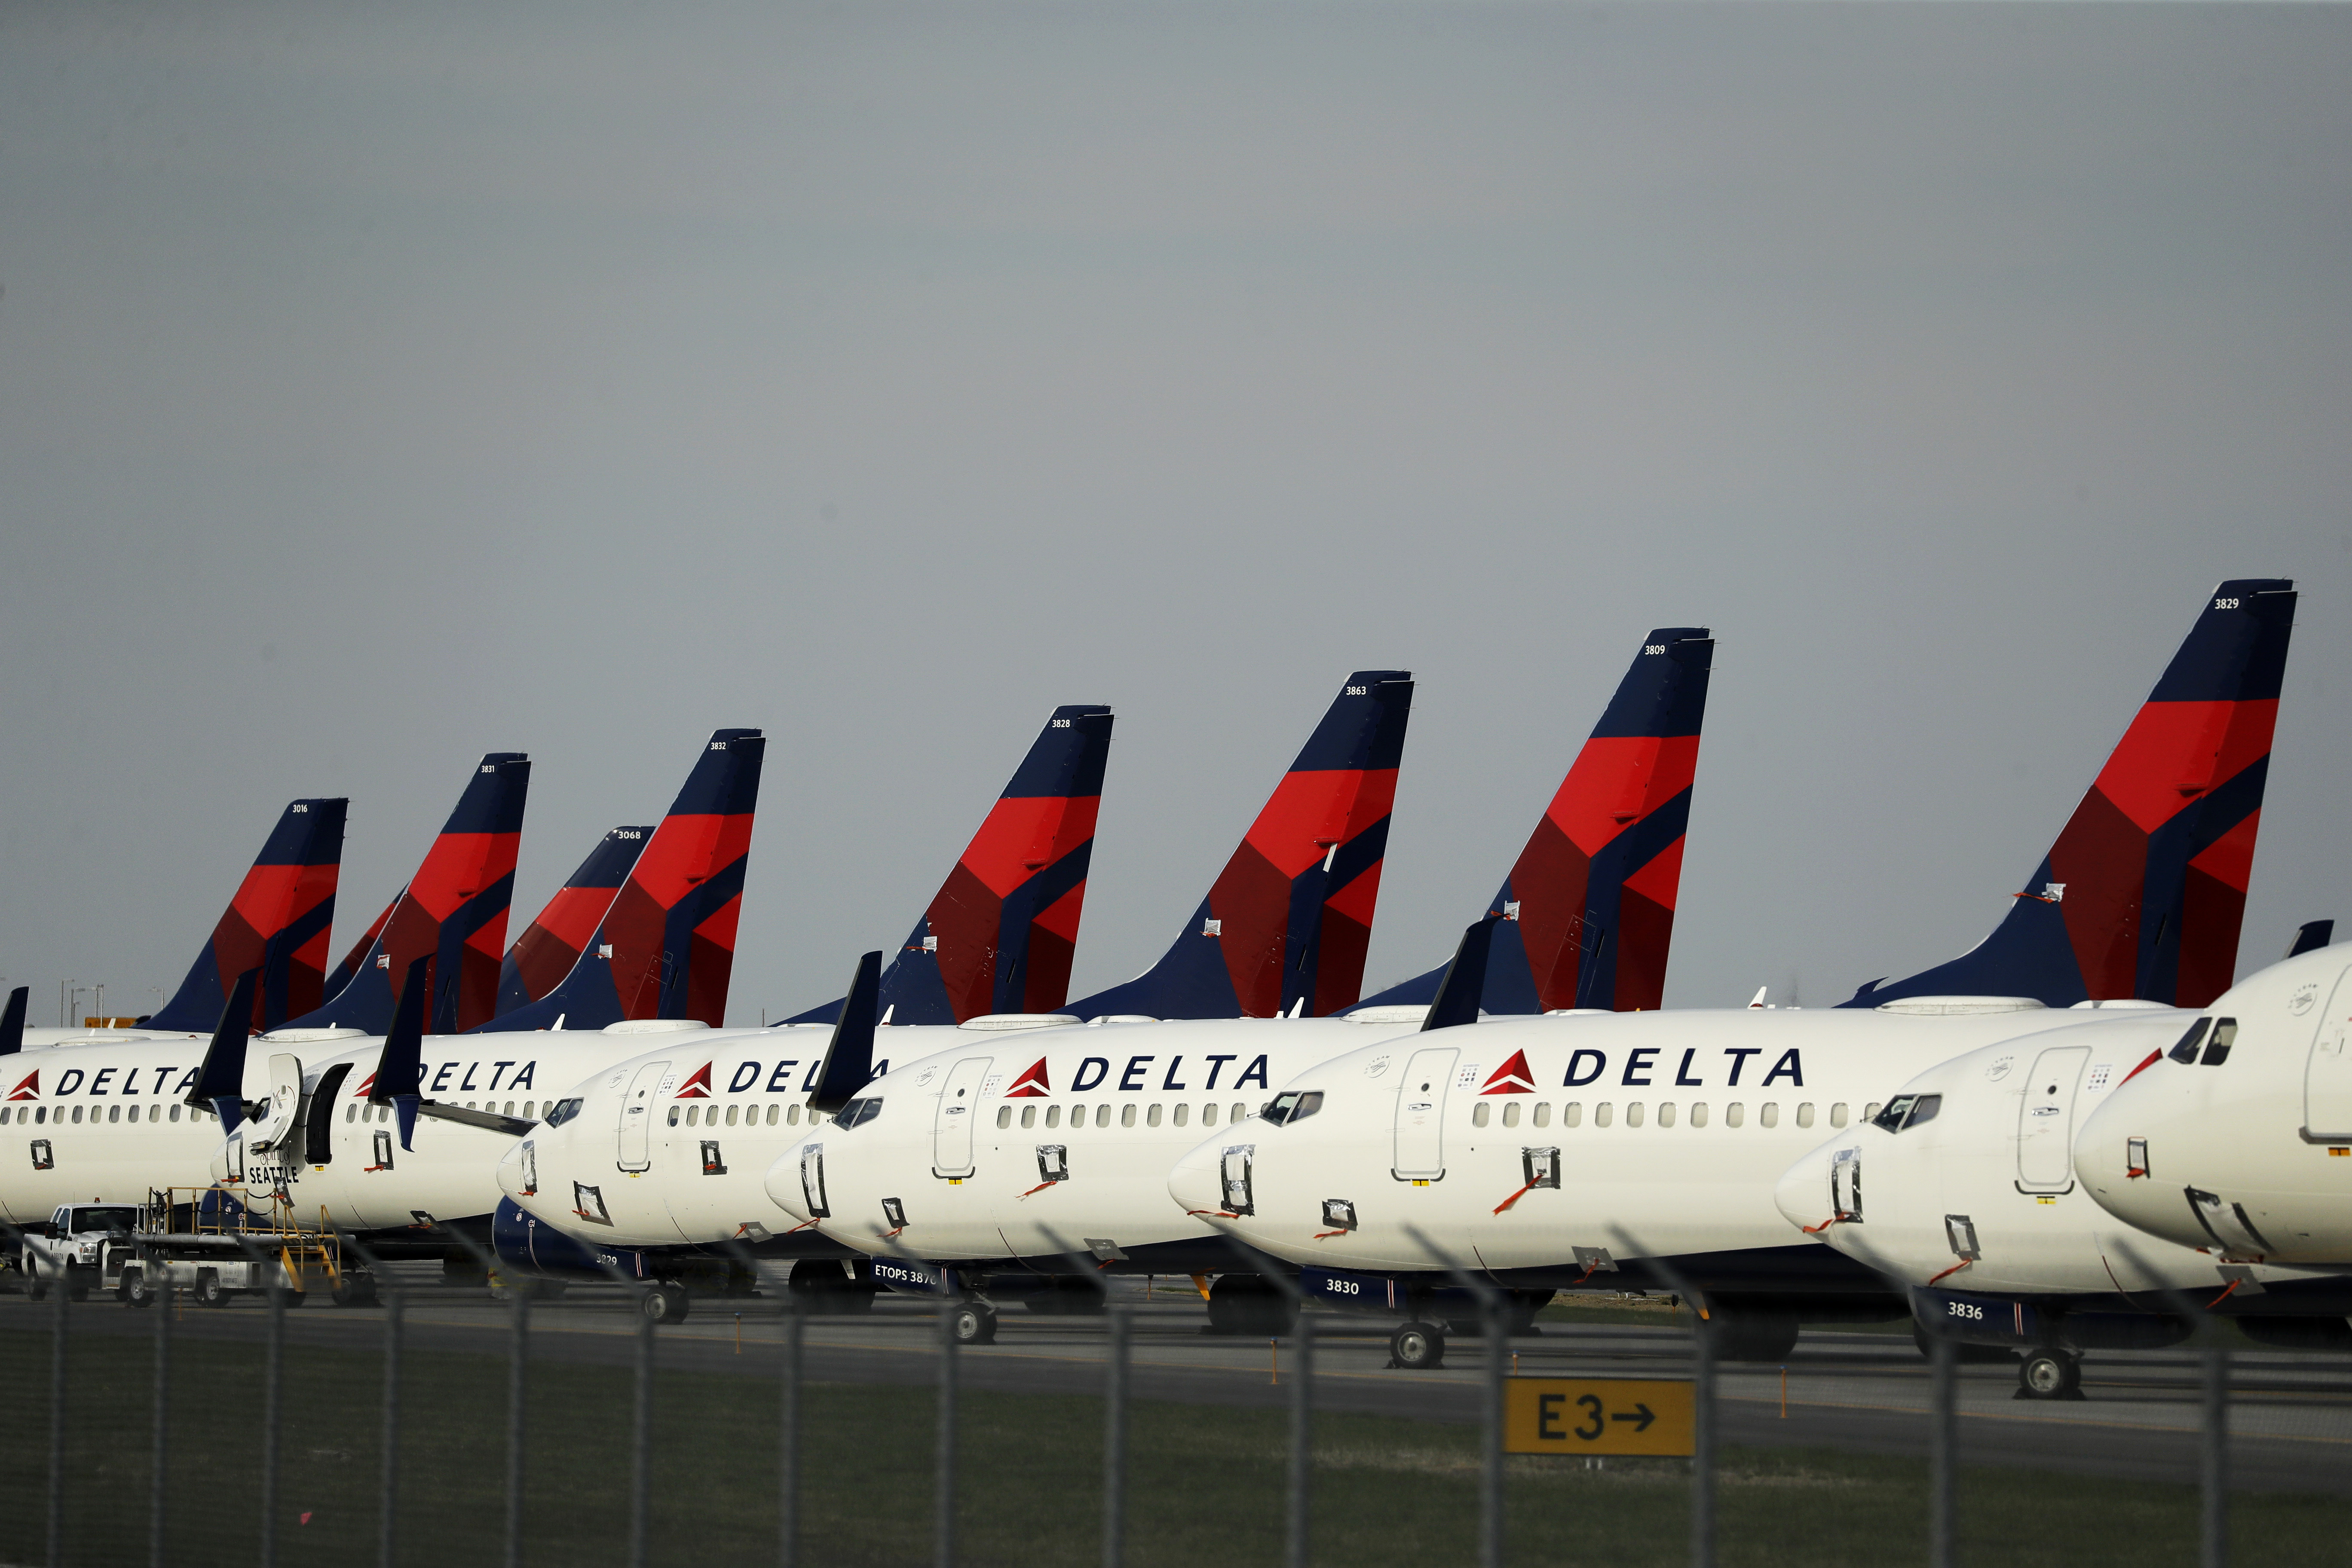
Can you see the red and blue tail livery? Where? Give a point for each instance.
(666, 949)
(541, 958)
(345, 973)
(1286, 924)
(1001, 932)
(276, 924)
(453, 912)
(2143, 894)
(1587, 911)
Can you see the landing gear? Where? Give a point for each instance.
(2050, 1374)
(1752, 1336)
(665, 1304)
(1417, 1347)
(133, 1289)
(354, 1290)
(819, 1286)
(972, 1323)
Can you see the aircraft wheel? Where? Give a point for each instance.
(209, 1290)
(1417, 1347)
(354, 1290)
(134, 1290)
(973, 1323)
(2050, 1374)
(665, 1304)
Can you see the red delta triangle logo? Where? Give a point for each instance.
(367, 1086)
(1030, 1085)
(697, 1087)
(28, 1090)
(1511, 1078)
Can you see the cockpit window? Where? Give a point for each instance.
(2186, 1051)
(2225, 1035)
(562, 1111)
(1908, 1111)
(864, 1109)
(1293, 1105)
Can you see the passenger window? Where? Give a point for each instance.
(1054, 1117)
(673, 1116)
(2225, 1035)
(1770, 1115)
(1543, 1113)
(1634, 1113)
(2186, 1051)
(1240, 1113)
(1028, 1116)
(1571, 1114)
(77, 1114)
(114, 1113)
(771, 1114)
(1208, 1116)
(732, 1111)
(1837, 1114)
(1182, 1111)
(1004, 1116)
(1805, 1113)
(1126, 1115)
(1102, 1115)
(40, 1114)
(1077, 1117)
(1511, 1114)
(1479, 1113)
(350, 1113)
(1600, 1114)
(1698, 1113)
(1151, 1117)
(1666, 1113)
(792, 1116)
(528, 1106)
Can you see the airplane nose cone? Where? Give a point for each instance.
(784, 1185)
(1803, 1192)
(2118, 1153)
(1193, 1182)
(512, 1170)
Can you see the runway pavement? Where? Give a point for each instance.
(2291, 1418)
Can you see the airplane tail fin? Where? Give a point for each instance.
(999, 933)
(541, 957)
(276, 923)
(2143, 894)
(1286, 924)
(453, 911)
(12, 1021)
(1587, 911)
(345, 973)
(666, 947)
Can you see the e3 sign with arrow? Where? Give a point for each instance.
(1597, 1416)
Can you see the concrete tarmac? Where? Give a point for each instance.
(2290, 1418)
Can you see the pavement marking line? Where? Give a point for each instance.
(2019, 1416)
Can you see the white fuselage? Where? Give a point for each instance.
(105, 1123)
(1989, 1171)
(672, 1144)
(2249, 1157)
(965, 1140)
(1562, 1144)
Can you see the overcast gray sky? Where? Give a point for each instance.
(383, 385)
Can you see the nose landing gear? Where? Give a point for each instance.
(2050, 1374)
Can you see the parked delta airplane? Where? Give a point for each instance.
(1963, 1188)
(277, 922)
(1634, 771)
(2237, 1140)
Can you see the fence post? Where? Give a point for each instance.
(943, 1504)
(273, 1396)
(1119, 1326)
(1493, 1324)
(517, 1365)
(395, 1304)
(56, 1547)
(2213, 1550)
(1299, 1503)
(788, 1482)
(1702, 1515)
(1943, 1455)
(157, 1461)
(641, 1443)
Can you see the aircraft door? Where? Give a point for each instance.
(285, 1103)
(2328, 1076)
(1419, 1153)
(952, 1122)
(2045, 1122)
(637, 1124)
